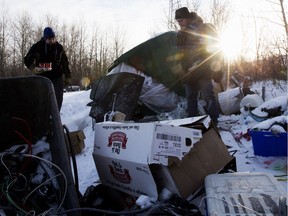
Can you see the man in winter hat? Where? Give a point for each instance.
(182, 13)
(194, 61)
(47, 58)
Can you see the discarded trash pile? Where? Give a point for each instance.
(260, 130)
(147, 149)
(28, 181)
(150, 158)
(266, 123)
(144, 160)
(35, 178)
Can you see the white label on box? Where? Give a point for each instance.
(173, 141)
(168, 144)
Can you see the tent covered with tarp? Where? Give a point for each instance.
(161, 91)
(157, 58)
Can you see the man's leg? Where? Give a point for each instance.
(58, 84)
(192, 99)
(212, 107)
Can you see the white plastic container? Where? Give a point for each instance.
(243, 194)
(229, 101)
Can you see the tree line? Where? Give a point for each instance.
(91, 51)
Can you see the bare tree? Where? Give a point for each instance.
(72, 47)
(4, 43)
(280, 4)
(118, 42)
(280, 45)
(92, 55)
(64, 36)
(220, 13)
(286, 30)
(102, 55)
(284, 17)
(82, 60)
(22, 30)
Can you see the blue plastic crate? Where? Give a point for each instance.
(267, 144)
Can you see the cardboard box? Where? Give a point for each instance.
(77, 141)
(186, 177)
(142, 158)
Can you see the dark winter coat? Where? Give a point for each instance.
(41, 52)
(196, 61)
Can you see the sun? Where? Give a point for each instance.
(231, 43)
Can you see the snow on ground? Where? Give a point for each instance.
(75, 115)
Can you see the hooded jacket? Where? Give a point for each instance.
(197, 58)
(41, 52)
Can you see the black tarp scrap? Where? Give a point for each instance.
(124, 87)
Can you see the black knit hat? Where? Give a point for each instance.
(48, 33)
(182, 13)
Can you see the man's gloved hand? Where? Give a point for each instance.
(34, 69)
(67, 81)
(38, 70)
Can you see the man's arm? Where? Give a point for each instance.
(65, 64)
(66, 69)
(30, 58)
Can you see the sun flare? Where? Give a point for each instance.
(230, 42)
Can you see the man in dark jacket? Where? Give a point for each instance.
(196, 63)
(47, 58)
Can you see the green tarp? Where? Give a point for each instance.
(157, 58)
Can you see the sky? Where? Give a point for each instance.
(137, 18)
(140, 18)
(75, 115)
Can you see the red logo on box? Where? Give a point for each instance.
(117, 140)
(121, 175)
